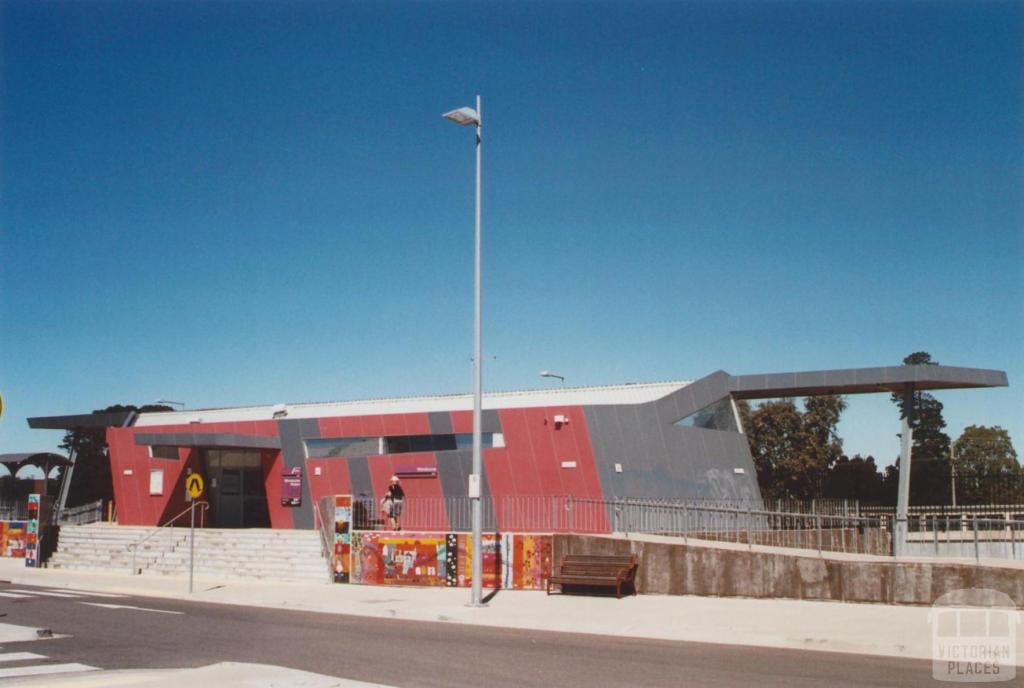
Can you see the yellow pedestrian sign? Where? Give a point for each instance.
(194, 485)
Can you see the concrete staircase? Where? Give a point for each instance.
(254, 554)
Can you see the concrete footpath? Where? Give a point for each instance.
(892, 631)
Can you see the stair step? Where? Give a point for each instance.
(262, 554)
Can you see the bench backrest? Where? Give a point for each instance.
(598, 565)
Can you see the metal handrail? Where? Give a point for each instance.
(134, 546)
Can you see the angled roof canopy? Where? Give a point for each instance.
(863, 381)
(82, 420)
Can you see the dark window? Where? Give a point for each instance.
(164, 451)
(395, 444)
(717, 416)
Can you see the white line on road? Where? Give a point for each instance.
(128, 606)
(11, 594)
(19, 656)
(90, 593)
(42, 592)
(45, 669)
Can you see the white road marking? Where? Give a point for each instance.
(45, 669)
(46, 593)
(89, 593)
(11, 594)
(19, 656)
(128, 606)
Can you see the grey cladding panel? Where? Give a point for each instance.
(606, 442)
(359, 476)
(490, 421)
(454, 469)
(293, 454)
(454, 482)
(440, 422)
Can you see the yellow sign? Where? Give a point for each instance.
(194, 485)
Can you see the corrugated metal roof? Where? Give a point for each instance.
(637, 393)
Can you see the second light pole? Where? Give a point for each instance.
(468, 116)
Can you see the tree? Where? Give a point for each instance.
(930, 469)
(793, 450)
(91, 479)
(855, 478)
(984, 457)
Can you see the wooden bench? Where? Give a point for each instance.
(595, 570)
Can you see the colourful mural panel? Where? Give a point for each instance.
(512, 561)
(32, 536)
(529, 564)
(400, 559)
(12, 539)
(491, 560)
(341, 559)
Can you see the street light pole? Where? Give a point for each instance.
(467, 116)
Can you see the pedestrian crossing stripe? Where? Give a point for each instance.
(25, 592)
(44, 593)
(19, 656)
(43, 669)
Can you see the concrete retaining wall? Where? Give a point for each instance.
(673, 568)
(965, 550)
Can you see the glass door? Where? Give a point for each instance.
(236, 489)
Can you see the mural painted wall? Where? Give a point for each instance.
(12, 538)
(341, 558)
(511, 561)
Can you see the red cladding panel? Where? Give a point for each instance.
(519, 450)
(349, 427)
(499, 480)
(273, 463)
(372, 426)
(394, 424)
(417, 423)
(462, 422)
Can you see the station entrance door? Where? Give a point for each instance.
(235, 488)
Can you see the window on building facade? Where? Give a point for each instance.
(717, 416)
(397, 444)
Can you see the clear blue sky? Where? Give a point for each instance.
(228, 203)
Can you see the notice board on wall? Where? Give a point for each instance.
(291, 486)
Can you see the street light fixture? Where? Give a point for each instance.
(172, 403)
(467, 116)
(548, 373)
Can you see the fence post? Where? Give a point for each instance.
(935, 534)
(750, 544)
(977, 555)
(817, 526)
(1013, 543)
(572, 515)
(686, 523)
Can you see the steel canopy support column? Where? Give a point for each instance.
(903, 490)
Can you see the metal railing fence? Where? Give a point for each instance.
(81, 515)
(13, 510)
(725, 521)
(1000, 534)
(966, 536)
(168, 527)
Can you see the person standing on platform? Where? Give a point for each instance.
(393, 501)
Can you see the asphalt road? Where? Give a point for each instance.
(408, 653)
